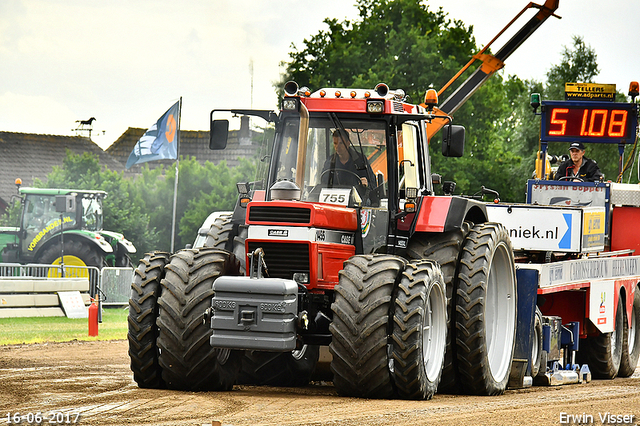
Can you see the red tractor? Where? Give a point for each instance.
(347, 246)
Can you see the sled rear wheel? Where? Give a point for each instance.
(631, 339)
(603, 352)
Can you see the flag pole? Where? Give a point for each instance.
(175, 188)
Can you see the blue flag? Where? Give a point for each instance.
(160, 142)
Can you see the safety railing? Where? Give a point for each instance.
(116, 286)
(53, 271)
(112, 284)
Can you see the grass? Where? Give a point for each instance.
(62, 329)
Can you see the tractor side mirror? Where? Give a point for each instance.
(219, 134)
(65, 203)
(453, 141)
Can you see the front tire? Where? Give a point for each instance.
(76, 253)
(360, 326)
(631, 339)
(188, 361)
(143, 312)
(420, 330)
(445, 249)
(486, 310)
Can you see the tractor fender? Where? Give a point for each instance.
(446, 213)
(201, 237)
(94, 239)
(124, 245)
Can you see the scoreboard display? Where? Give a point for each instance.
(603, 122)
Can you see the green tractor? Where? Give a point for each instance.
(56, 221)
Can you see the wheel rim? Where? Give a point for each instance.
(69, 261)
(616, 334)
(434, 331)
(500, 313)
(535, 348)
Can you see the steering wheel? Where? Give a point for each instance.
(571, 178)
(367, 188)
(342, 170)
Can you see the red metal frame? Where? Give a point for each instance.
(571, 301)
(624, 236)
(332, 104)
(326, 216)
(433, 213)
(322, 276)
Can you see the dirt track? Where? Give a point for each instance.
(94, 379)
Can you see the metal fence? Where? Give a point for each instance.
(116, 286)
(53, 271)
(113, 284)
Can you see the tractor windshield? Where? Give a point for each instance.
(41, 220)
(92, 214)
(345, 160)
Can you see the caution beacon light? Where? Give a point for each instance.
(431, 99)
(633, 90)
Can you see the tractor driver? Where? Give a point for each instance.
(579, 168)
(350, 168)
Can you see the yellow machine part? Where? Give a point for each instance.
(547, 167)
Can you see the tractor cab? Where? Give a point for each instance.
(364, 150)
(47, 214)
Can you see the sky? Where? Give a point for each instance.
(125, 62)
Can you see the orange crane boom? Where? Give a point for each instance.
(490, 63)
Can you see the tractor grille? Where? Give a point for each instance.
(283, 259)
(279, 214)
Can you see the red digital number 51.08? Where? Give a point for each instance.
(588, 122)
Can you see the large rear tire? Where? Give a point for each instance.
(289, 369)
(631, 339)
(76, 253)
(445, 249)
(420, 330)
(486, 310)
(360, 326)
(143, 312)
(188, 361)
(221, 235)
(603, 353)
(239, 247)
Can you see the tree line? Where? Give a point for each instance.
(409, 46)
(401, 43)
(141, 208)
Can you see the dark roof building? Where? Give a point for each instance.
(193, 143)
(29, 156)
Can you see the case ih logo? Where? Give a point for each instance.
(278, 233)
